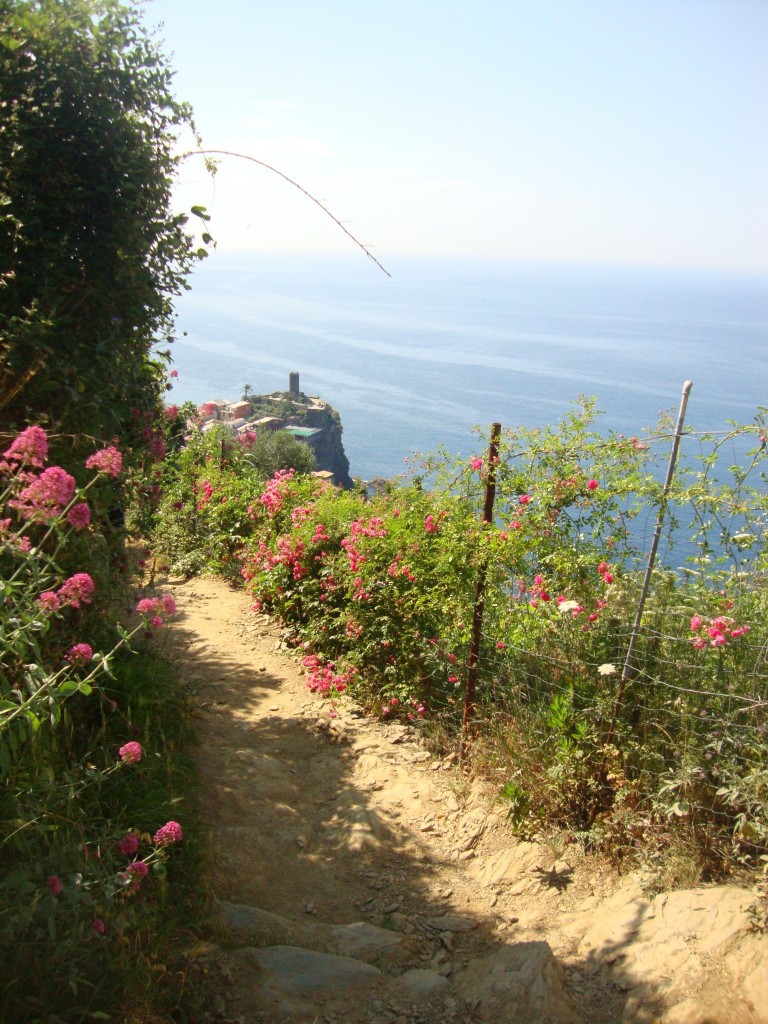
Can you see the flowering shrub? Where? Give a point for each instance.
(379, 594)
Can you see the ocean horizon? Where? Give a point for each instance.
(416, 361)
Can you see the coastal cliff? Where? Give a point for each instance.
(307, 417)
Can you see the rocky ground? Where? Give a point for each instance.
(360, 881)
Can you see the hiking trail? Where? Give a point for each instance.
(358, 880)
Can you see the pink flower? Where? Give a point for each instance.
(592, 485)
(430, 525)
(76, 589)
(603, 567)
(171, 832)
(134, 873)
(129, 844)
(131, 752)
(168, 604)
(80, 654)
(54, 884)
(45, 497)
(98, 926)
(79, 516)
(174, 374)
(608, 577)
(108, 461)
(500, 645)
(49, 601)
(524, 499)
(30, 447)
(477, 463)
(696, 623)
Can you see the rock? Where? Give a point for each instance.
(519, 984)
(292, 980)
(664, 948)
(360, 940)
(421, 982)
(451, 923)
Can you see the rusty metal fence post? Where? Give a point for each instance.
(473, 658)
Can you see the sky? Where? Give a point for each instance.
(620, 132)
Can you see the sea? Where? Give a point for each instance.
(424, 357)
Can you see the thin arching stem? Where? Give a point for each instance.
(269, 167)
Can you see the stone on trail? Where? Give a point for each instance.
(422, 982)
(360, 940)
(294, 981)
(518, 984)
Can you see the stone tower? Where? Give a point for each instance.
(293, 384)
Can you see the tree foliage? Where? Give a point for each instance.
(91, 252)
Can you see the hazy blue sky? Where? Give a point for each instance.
(606, 131)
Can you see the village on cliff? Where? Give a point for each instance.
(307, 418)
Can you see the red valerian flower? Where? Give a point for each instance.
(171, 832)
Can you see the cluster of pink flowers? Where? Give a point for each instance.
(605, 571)
(45, 496)
(157, 445)
(633, 442)
(171, 832)
(715, 632)
(323, 678)
(207, 490)
(135, 873)
(108, 461)
(419, 708)
(79, 516)
(477, 463)
(432, 523)
(153, 608)
(290, 553)
(319, 536)
(538, 591)
(399, 568)
(14, 540)
(247, 439)
(29, 448)
(274, 492)
(77, 590)
(130, 753)
(373, 527)
(300, 514)
(128, 845)
(80, 654)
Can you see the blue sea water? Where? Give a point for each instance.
(416, 361)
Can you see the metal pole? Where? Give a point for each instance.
(473, 658)
(629, 670)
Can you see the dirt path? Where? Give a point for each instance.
(359, 881)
